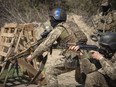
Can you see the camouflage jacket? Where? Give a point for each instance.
(59, 33)
(108, 66)
(107, 22)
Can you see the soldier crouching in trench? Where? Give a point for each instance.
(106, 19)
(63, 32)
(105, 76)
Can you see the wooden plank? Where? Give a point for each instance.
(5, 44)
(3, 54)
(29, 26)
(7, 34)
(17, 44)
(20, 26)
(10, 25)
(29, 67)
(12, 41)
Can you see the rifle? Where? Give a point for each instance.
(30, 49)
(26, 52)
(95, 36)
(83, 46)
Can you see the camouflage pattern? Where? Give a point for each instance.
(96, 77)
(63, 32)
(39, 29)
(106, 22)
(109, 67)
(105, 2)
(55, 70)
(52, 37)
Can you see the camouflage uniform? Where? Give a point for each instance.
(62, 33)
(103, 77)
(106, 22)
(40, 28)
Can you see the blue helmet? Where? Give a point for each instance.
(59, 14)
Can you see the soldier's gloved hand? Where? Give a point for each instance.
(29, 58)
(96, 55)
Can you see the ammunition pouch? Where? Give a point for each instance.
(71, 63)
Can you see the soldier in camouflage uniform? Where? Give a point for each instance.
(106, 20)
(63, 32)
(106, 75)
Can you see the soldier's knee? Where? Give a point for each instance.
(89, 77)
(92, 76)
(89, 80)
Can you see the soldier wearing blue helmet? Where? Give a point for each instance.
(59, 14)
(63, 31)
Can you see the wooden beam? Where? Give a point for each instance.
(7, 34)
(5, 44)
(3, 54)
(28, 67)
(10, 25)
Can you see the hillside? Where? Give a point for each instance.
(37, 11)
(23, 11)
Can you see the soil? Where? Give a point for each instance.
(67, 79)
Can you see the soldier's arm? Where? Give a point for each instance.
(52, 37)
(87, 66)
(108, 67)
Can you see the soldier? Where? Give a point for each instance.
(63, 31)
(106, 20)
(106, 75)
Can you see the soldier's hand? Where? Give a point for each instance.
(74, 48)
(96, 55)
(29, 58)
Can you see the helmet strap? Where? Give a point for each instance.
(54, 22)
(107, 52)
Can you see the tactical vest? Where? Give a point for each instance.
(71, 33)
(107, 23)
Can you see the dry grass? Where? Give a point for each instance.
(23, 11)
